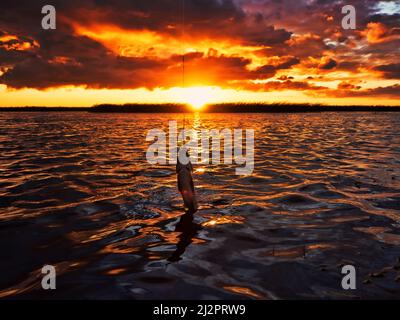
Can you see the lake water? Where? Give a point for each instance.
(76, 192)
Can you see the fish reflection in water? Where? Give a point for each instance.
(77, 192)
(188, 230)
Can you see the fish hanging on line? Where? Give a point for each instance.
(185, 184)
(184, 171)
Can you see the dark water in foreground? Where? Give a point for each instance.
(76, 192)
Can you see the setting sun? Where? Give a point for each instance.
(198, 97)
(197, 103)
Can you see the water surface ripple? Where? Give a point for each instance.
(76, 192)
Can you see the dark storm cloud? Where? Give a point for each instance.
(111, 72)
(349, 65)
(11, 58)
(348, 86)
(388, 92)
(284, 85)
(390, 71)
(351, 91)
(328, 64)
(391, 20)
(267, 36)
(268, 71)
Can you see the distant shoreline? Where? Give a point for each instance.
(216, 108)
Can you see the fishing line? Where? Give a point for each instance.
(183, 59)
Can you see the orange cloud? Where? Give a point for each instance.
(377, 32)
(12, 42)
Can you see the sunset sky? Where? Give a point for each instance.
(124, 51)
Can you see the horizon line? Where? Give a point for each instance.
(226, 107)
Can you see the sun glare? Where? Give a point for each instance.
(198, 97)
(197, 103)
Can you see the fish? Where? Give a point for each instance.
(186, 186)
